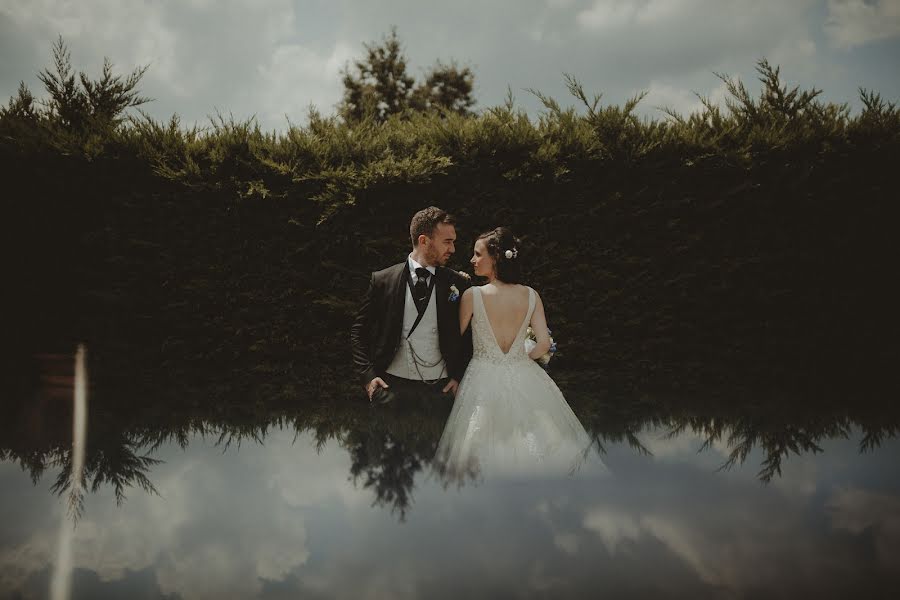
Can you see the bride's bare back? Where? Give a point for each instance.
(506, 307)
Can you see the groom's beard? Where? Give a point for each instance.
(439, 260)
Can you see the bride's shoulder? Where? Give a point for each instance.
(533, 292)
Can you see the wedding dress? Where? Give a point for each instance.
(509, 417)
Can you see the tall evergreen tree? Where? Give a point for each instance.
(94, 103)
(446, 87)
(379, 85)
(21, 106)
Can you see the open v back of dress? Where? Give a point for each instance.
(523, 323)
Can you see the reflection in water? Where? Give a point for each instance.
(62, 575)
(391, 446)
(779, 435)
(395, 445)
(306, 504)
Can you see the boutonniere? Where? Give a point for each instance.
(454, 294)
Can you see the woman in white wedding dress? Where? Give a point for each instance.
(509, 417)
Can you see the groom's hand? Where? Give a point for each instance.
(374, 385)
(451, 386)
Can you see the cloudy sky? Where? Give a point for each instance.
(273, 58)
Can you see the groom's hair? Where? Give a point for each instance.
(426, 221)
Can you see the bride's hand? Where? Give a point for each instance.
(539, 326)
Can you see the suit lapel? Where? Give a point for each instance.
(398, 297)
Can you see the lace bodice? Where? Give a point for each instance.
(484, 343)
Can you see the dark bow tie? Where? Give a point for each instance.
(422, 273)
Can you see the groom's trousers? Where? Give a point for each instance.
(404, 391)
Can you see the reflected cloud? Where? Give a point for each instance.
(567, 542)
(338, 500)
(209, 533)
(612, 527)
(285, 516)
(859, 512)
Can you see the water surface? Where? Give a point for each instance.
(331, 498)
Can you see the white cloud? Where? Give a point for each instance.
(297, 76)
(236, 58)
(683, 541)
(673, 47)
(613, 527)
(857, 511)
(682, 101)
(202, 56)
(18, 562)
(567, 542)
(687, 29)
(605, 14)
(733, 562)
(857, 22)
(670, 14)
(683, 447)
(203, 536)
(617, 13)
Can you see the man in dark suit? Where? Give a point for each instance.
(405, 338)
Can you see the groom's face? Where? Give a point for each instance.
(441, 246)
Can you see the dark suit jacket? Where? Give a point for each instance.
(376, 330)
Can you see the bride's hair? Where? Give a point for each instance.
(505, 249)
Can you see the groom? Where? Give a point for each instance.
(405, 338)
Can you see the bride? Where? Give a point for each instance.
(509, 417)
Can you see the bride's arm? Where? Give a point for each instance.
(539, 326)
(465, 310)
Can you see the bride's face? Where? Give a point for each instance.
(482, 262)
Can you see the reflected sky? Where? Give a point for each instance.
(284, 517)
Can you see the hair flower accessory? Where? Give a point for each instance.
(511, 253)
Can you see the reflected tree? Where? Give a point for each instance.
(392, 447)
(116, 461)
